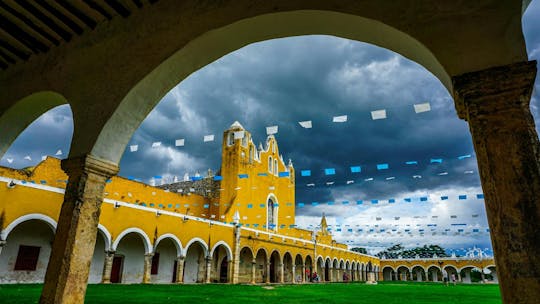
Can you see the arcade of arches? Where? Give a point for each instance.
(475, 48)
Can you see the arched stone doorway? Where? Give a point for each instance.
(288, 275)
(164, 261)
(434, 274)
(245, 265)
(403, 273)
(419, 274)
(299, 271)
(452, 274)
(388, 273)
(262, 266)
(128, 261)
(195, 263)
(221, 258)
(25, 255)
(275, 267)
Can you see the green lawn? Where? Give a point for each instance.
(387, 293)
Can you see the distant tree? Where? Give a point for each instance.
(359, 250)
(426, 251)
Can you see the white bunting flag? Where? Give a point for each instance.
(43, 157)
(179, 142)
(329, 183)
(417, 176)
(342, 118)
(422, 107)
(350, 182)
(310, 185)
(27, 157)
(468, 172)
(379, 114)
(59, 152)
(208, 138)
(133, 148)
(271, 130)
(239, 135)
(10, 160)
(305, 124)
(368, 179)
(156, 144)
(443, 173)
(391, 178)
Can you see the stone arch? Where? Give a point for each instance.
(261, 270)
(23, 112)
(34, 235)
(225, 245)
(354, 271)
(221, 255)
(195, 253)
(275, 262)
(210, 46)
(327, 269)
(32, 216)
(388, 273)
(146, 240)
(197, 240)
(288, 275)
(106, 237)
(175, 240)
(130, 248)
(244, 265)
(403, 273)
(434, 273)
(418, 273)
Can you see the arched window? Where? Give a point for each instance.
(270, 164)
(273, 147)
(250, 153)
(275, 167)
(245, 140)
(271, 214)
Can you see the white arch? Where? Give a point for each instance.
(106, 235)
(407, 267)
(227, 249)
(347, 264)
(32, 216)
(177, 243)
(145, 239)
(341, 264)
(467, 266)
(455, 268)
(388, 266)
(199, 240)
(418, 265)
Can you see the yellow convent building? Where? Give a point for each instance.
(236, 226)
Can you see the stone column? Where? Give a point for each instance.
(253, 270)
(331, 274)
(294, 274)
(459, 277)
(267, 272)
(281, 273)
(180, 269)
(482, 277)
(107, 267)
(75, 238)
(147, 277)
(495, 102)
(236, 258)
(208, 269)
(304, 273)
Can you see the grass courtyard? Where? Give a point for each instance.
(386, 292)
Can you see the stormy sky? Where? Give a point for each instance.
(284, 81)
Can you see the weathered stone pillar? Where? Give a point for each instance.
(267, 272)
(180, 260)
(304, 273)
(236, 257)
(75, 238)
(482, 277)
(294, 274)
(147, 268)
(331, 274)
(495, 102)
(281, 273)
(208, 269)
(253, 270)
(459, 277)
(107, 267)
